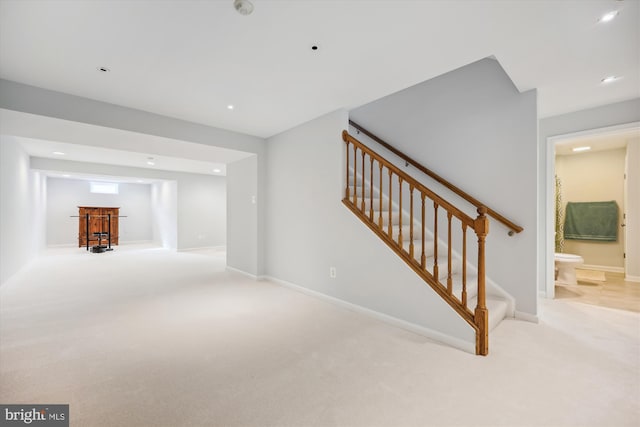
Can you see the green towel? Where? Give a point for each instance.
(591, 221)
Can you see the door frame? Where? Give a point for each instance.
(550, 194)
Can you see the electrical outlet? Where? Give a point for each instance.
(332, 272)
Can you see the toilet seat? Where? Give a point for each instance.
(569, 258)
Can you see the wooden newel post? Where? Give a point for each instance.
(345, 138)
(481, 227)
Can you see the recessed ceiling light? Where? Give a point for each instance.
(217, 171)
(150, 163)
(66, 175)
(103, 69)
(578, 149)
(230, 107)
(610, 79)
(58, 153)
(609, 16)
(140, 181)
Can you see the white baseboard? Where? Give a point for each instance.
(632, 278)
(528, 317)
(244, 273)
(605, 268)
(421, 330)
(202, 248)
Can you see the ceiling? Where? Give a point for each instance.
(191, 59)
(600, 142)
(47, 137)
(92, 154)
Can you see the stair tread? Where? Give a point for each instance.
(496, 306)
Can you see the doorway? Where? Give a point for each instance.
(619, 137)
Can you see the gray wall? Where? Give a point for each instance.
(242, 212)
(593, 118)
(475, 129)
(23, 195)
(65, 195)
(200, 199)
(202, 210)
(309, 231)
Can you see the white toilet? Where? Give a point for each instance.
(566, 268)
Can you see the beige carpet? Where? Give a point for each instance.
(144, 337)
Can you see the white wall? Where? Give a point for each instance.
(164, 211)
(549, 127)
(242, 213)
(65, 195)
(201, 199)
(632, 264)
(309, 230)
(475, 129)
(22, 209)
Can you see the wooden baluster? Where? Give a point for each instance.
(423, 258)
(464, 264)
(355, 176)
(371, 189)
(435, 242)
(346, 190)
(411, 221)
(390, 226)
(380, 223)
(481, 227)
(449, 279)
(362, 194)
(400, 211)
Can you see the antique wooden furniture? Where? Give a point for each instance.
(102, 225)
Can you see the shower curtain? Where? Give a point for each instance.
(559, 217)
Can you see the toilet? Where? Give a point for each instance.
(566, 268)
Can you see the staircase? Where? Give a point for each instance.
(432, 236)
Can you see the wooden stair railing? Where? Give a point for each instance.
(363, 164)
(513, 228)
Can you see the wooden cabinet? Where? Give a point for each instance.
(98, 223)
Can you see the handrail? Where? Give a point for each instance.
(464, 218)
(512, 226)
(384, 216)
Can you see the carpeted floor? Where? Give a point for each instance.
(145, 337)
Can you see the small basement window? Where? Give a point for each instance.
(104, 187)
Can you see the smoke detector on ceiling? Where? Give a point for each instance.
(244, 7)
